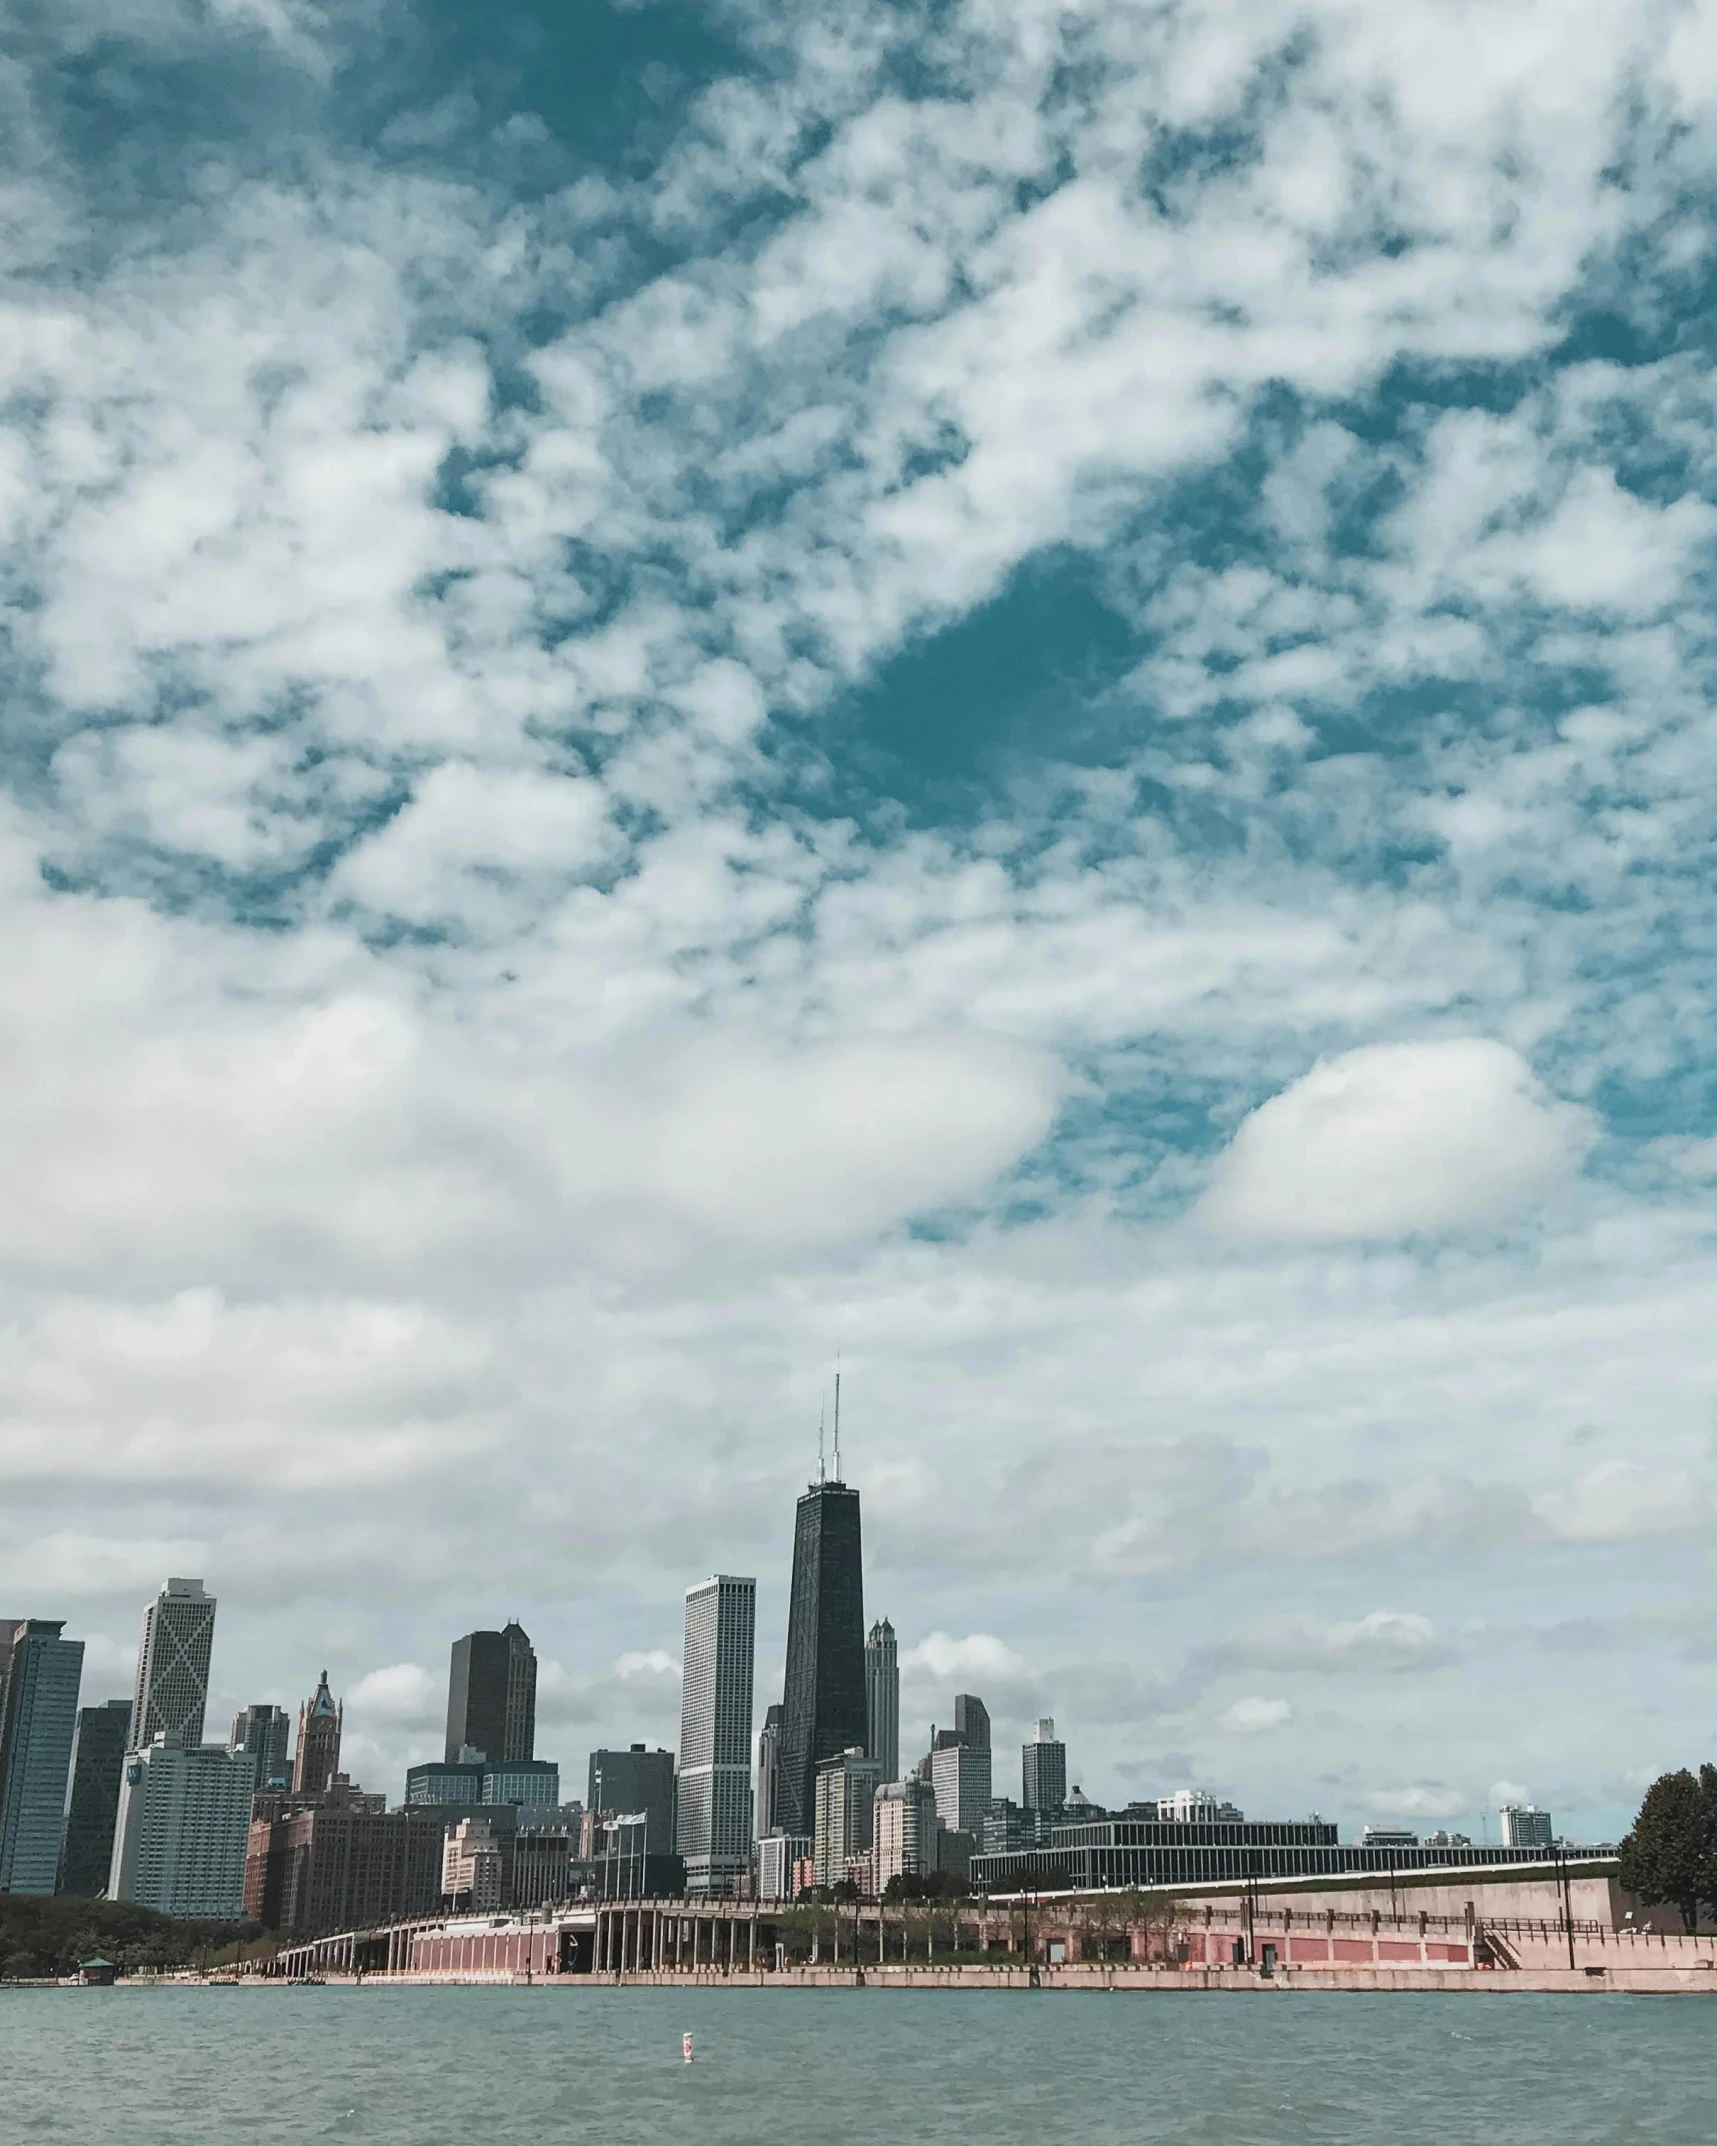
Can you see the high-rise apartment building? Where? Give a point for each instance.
(714, 1824)
(492, 1696)
(1524, 1825)
(972, 1721)
(317, 1759)
(960, 1777)
(266, 1733)
(768, 1772)
(778, 1857)
(98, 1761)
(882, 1698)
(1043, 1770)
(844, 1802)
(36, 1752)
(823, 1702)
(181, 1831)
(172, 1689)
(636, 1781)
(904, 1831)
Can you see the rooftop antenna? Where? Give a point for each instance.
(837, 1419)
(822, 1417)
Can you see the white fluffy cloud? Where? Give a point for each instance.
(1424, 1799)
(404, 1695)
(1255, 1716)
(1396, 1140)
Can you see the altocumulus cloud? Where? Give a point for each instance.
(1024, 698)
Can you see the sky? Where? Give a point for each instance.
(1018, 693)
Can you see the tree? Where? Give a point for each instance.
(1671, 1854)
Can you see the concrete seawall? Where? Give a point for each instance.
(1446, 1981)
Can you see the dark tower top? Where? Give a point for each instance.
(492, 1696)
(823, 1703)
(318, 1756)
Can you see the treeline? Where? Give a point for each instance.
(56, 1933)
(1670, 1857)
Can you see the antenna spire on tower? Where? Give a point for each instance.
(837, 1419)
(822, 1417)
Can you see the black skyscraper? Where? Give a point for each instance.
(98, 1760)
(492, 1696)
(823, 1705)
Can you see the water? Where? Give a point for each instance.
(491, 2067)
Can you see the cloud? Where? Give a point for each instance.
(981, 1663)
(1619, 1501)
(1396, 1140)
(1255, 1717)
(1502, 1792)
(1386, 1640)
(1423, 1800)
(403, 1696)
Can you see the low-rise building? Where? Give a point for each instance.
(332, 1867)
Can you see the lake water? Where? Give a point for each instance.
(500, 2067)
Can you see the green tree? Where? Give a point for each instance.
(1671, 1854)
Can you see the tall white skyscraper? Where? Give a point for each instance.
(882, 1698)
(172, 1691)
(183, 1824)
(715, 1734)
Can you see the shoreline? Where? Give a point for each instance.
(1107, 1981)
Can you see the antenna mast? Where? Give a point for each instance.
(822, 1417)
(837, 1419)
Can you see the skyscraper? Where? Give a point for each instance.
(882, 1698)
(632, 1781)
(972, 1721)
(265, 1732)
(180, 1835)
(768, 1772)
(823, 1703)
(36, 1753)
(98, 1760)
(318, 1756)
(844, 1806)
(492, 1696)
(172, 1690)
(715, 1734)
(1043, 1765)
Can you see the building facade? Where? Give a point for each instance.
(492, 1696)
(960, 1777)
(779, 1856)
(823, 1700)
(714, 1812)
(1089, 1856)
(181, 1829)
(98, 1762)
(36, 1736)
(475, 1877)
(882, 1698)
(1043, 1770)
(171, 1695)
(636, 1780)
(266, 1733)
(844, 1805)
(337, 1868)
(904, 1829)
(317, 1758)
(534, 1783)
(768, 1772)
(1524, 1825)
